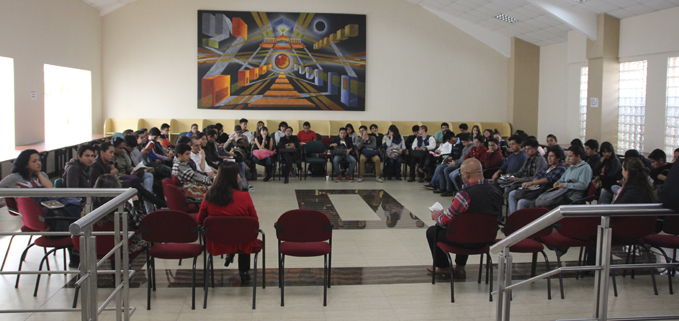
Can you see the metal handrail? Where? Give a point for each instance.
(95, 216)
(602, 267)
(558, 213)
(89, 264)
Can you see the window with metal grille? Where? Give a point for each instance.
(632, 106)
(584, 72)
(672, 106)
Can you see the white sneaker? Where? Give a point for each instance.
(360, 179)
(379, 179)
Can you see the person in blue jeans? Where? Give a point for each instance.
(339, 143)
(445, 184)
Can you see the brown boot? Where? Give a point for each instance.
(460, 273)
(439, 271)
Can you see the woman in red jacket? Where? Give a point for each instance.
(224, 199)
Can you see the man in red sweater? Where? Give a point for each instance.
(307, 134)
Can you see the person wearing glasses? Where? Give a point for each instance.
(478, 196)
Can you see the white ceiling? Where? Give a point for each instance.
(541, 22)
(537, 19)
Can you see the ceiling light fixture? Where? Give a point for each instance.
(506, 18)
(580, 1)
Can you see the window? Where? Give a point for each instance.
(6, 103)
(632, 106)
(584, 72)
(672, 107)
(68, 105)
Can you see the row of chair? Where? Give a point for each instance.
(569, 233)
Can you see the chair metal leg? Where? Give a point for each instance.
(558, 263)
(44, 259)
(193, 286)
(254, 284)
(48, 261)
(21, 261)
(629, 250)
(480, 269)
(7, 252)
(489, 263)
(206, 270)
(153, 266)
(452, 279)
(75, 296)
(329, 268)
(65, 264)
(212, 272)
(149, 280)
(549, 280)
(281, 264)
(263, 263)
(634, 256)
(325, 280)
(580, 259)
(534, 265)
(655, 287)
(180, 262)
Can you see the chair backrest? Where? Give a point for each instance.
(472, 228)
(326, 141)
(231, 229)
(591, 189)
(11, 203)
(169, 226)
(633, 227)
(671, 225)
(167, 181)
(175, 198)
(32, 214)
(176, 181)
(318, 136)
(314, 147)
(59, 183)
(524, 217)
(579, 227)
(303, 226)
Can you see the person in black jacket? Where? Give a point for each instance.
(342, 150)
(592, 151)
(287, 149)
(660, 167)
(78, 171)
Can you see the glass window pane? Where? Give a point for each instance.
(632, 106)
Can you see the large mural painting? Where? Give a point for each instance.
(281, 61)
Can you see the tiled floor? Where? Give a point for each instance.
(379, 270)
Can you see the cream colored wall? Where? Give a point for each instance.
(419, 66)
(649, 37)
(553, 98)
(57, 32)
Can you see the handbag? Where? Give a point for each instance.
(528, 193)
(370, 152)
(339, 150)
(195, 190)
(262, 153)
(552, 197)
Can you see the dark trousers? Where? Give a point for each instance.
(440, 260)
(423, 158)
(243, 262)
(393, 167)
(288, 158)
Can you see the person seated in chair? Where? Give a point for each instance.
(409, 143)
(515, 160)
(577, 176)
(477, 196)
(194, 130)
(592, 152)
(661, 168)
(306, 134)
(185, 168)
(342, 148)
(478, 151)
(165, 135)
(367, 147)
(281, 131)
(445, 184)
(445, 154)
(608, 171)
(225, 199)
(493, 156)
(264, 142)
(543, 179)
(78, 171)
(421, 146)
(288, 147)
(553, 143)
(379, 138)
(395, 145)
(244, 130)
(439, 134)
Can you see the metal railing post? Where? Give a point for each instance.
(126, 270)
(603, 260)
(500, 283)
(91, 261)
(117, 258)
(508, 282)
(84, 271)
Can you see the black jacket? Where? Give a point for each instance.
(76, 175)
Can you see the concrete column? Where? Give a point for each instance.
(523, 86)
(604, 82)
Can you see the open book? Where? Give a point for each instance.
(139, 166)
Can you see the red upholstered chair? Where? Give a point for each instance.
(304, 233)
(571, 232)
(669, 241)
(469, 228)
(630, 231)
(176, 200)
(34, 218)
(530, 244)
(172, 235)
(590, 195)
(235, 230)
(12, 209)
(175, 181)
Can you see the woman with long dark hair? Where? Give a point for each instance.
(26, 172)
(262, 151)
(636, 188)
(608, 171)
(395, 144)
(225, 199)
